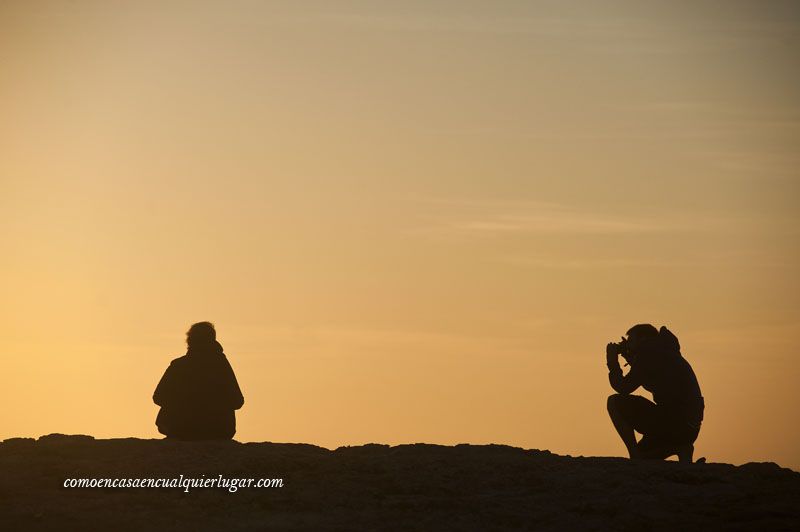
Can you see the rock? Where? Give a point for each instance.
(57, 438)
(378, 487)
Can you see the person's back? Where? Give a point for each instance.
(198, 393)
(662, 370)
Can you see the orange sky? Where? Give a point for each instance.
(419, 222)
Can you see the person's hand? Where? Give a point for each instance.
(612, 351)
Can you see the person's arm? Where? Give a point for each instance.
(234, 392)
(623, 384)
(163, 394)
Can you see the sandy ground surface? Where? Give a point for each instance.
(377, 487)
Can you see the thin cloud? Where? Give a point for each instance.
(615, 34)
(453, 23)
(498, 218)
(581, 264)
(505, 218)
(558, 223)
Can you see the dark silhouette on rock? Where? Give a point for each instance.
(671, 422)
(198, 393)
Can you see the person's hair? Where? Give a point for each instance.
(643, 330)
(201, 333)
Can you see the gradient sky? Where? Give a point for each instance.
(410, 222)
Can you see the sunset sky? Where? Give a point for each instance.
(415, 221)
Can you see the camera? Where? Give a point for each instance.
(621, 348)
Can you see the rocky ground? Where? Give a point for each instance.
(377, 487)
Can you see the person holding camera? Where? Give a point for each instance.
(671, 422)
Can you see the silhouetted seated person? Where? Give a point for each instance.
(198, 393)
(669, 425)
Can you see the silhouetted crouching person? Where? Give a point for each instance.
(669, 425)
(198, 393)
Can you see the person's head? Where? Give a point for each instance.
(202, 333)
(640, 337)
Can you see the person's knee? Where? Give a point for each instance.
(612, 404)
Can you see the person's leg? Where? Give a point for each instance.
(685, 453)
(654, 447)
(628, 413)
(667, 433)
(686, 433)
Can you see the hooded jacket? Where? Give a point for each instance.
(661, 369)
(198, 395)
